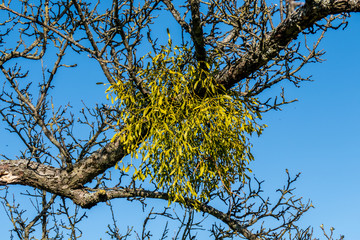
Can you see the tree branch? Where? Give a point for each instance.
(303, 18)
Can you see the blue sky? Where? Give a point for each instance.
(318, 136)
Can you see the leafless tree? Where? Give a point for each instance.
(69, 169)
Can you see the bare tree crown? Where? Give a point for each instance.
(255, 47)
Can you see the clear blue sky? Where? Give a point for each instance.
(318, 136)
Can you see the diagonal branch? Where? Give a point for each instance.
(305, 17)
(57, 181)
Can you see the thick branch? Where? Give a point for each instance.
(278, 39)
(86, 170)
(197, 33)
(59, 182)
(29, 173)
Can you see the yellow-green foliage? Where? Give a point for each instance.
(191, 144)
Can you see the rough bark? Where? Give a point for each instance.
(304, 17)
(71, 182)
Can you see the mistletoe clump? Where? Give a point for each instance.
(191, 144)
